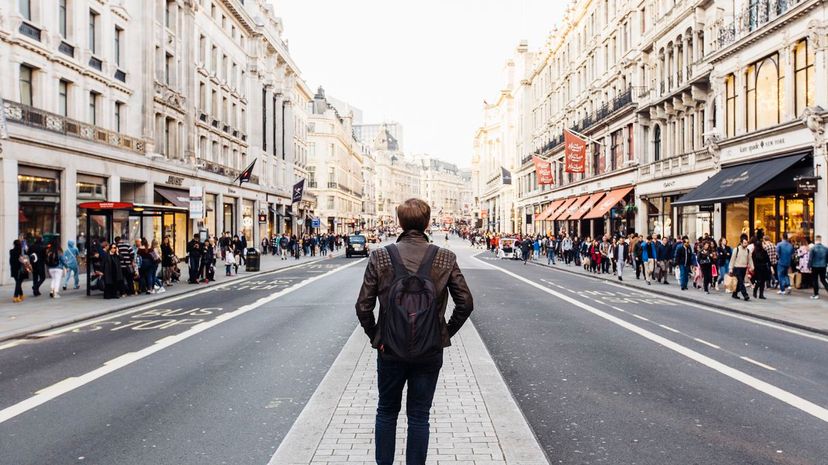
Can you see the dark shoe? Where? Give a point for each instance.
(762, 297)
(747, 298)
(735, 296)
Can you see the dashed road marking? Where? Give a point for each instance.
(767, 367)
(670, 329)
(640, 317)
(707, 343)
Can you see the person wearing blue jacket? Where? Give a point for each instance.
(784, 252)
(818, 259)
(69, 260)
(662, 257)
(648, 256)
(683, 257)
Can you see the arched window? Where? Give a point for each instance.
(764, 86)
(657, 143)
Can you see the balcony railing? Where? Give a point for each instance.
(29, 31)
(66, 49)
(332, 185)
(754, 16)
(36, 118)
(312, 184)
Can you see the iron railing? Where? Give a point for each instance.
(756, 14)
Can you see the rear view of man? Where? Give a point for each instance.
(412, 280)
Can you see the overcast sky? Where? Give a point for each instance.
(428, 64)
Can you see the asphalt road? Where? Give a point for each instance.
(213, 378)
(606, 374)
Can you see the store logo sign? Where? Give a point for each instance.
(730, 182)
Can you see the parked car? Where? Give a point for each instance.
(357, 245)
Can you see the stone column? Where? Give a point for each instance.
(786, 59)
(68, 205)
(9, 227)
(219, 213)
(641, 216)
(741, 108)
(113, 188)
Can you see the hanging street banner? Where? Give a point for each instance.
(543, 169)
(574, 153)
(298, 190)
(505, 175)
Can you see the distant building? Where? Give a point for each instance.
(368, 132)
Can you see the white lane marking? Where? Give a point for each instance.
(619, 309)
(670, 329)
(767, 367)
(62, 387)
(171, 299)
(707, 343)
(640, 317)
(737, 316)
(744, 378)
(9, 345)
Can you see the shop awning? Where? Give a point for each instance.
(548, 210)
(604, 206)
(573, 208)
(587, 206)
(562, 209)
(739, 181)
(175, 197)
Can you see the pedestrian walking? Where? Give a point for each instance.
(128, 270)
(194, 259)
(724, 252)
(705, 258)
(37, 257)
(740, 263)
(168, 261)
(784, 252)
(761, 269)
(683, 257)
(69, 261)
(818, 259)
(20, 268)
(648, 257)
(53, 262)
(621, 252)
(411, 276)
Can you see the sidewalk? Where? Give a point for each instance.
(474, 420)
(796, 310)
(36, 314)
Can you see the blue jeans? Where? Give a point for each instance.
(782, 276)
(422, 381)
(71, 271)
(683, 277)
(723, 270)
(550, 257)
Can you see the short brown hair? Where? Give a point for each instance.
(414, 214)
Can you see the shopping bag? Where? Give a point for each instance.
(677, 271)
(730, 283)
(715, 272)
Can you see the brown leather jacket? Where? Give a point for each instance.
(446, 276)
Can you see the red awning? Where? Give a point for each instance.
(572, 210)
(562, 209)
(609, 201)
(587, 206)
(548, 210)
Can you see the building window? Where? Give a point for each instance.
(26, 86)
(168, 14)
(202, 49)
(730, 105)
(264, 119)
(62, 21)
(119, 106)
(26, 9)
(168, 69)
(657, 143)
(117, 45)
(764, 90)
(93, 108)
(63, 98)
(93, 23)
(804, 76)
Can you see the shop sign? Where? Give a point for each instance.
(262, 218)
(105, 205)
(247, 221)
(316, 223)
(777, 143)
(706, 207)
(196, 202)
(806, 185)
(174, 181)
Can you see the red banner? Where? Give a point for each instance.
(544, 170)
(575, 153)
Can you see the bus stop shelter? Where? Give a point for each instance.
(107, 220)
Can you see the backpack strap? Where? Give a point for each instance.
(396, 260)
(428, 261)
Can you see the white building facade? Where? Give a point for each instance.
(138, 102)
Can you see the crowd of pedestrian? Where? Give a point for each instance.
(706, 264)
(123, 268)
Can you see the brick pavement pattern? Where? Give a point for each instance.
(462, 432)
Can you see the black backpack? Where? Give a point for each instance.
(410, 328)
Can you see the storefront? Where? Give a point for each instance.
(581, 227)
(210, 217)
(175, 224)
(248, 220)
(39, 203)
(611, 214)
(229, 212)
(542, 222)
(568, 219)
(754, 198)
(660, 215)
(559, 226)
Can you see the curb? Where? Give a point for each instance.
(717, 306)
(26, 333)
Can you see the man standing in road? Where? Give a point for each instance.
(411, 277)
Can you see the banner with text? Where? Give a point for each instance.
(574, 153)
(543, 169)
